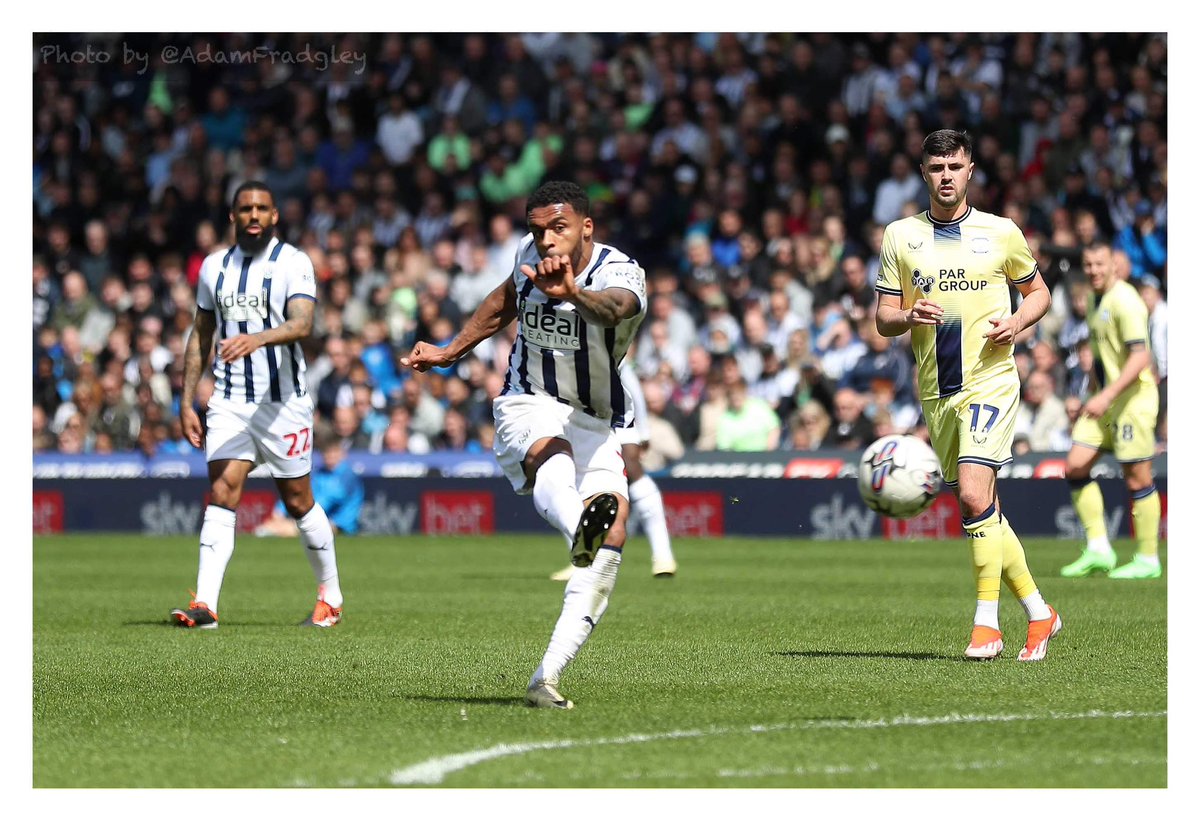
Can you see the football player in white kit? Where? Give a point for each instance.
(578, 304)
(645, 499)
(259, 298)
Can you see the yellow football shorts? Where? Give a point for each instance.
(975, 425)
(1126, 430)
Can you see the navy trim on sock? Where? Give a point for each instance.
(1148, 490)
(609, 547)
(981, 517)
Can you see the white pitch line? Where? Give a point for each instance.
(960, 766)
(435, 770)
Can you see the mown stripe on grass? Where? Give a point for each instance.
(435, 770)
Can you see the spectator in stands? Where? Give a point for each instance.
(347, 427)
(748, 423)
(77, 303)
(665, 445)
(1042, 417)
(457, 434)
(1144, 243)
(852, 430)
(399, 132)
(903, 187)
(809, 427)
(425, 414)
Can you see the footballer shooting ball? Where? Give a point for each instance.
(899, 476)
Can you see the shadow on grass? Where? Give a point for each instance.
(850, 654)
(174, 625)
(495, 702)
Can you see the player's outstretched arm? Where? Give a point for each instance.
(195, 361)
(497, 310)
(893, 319)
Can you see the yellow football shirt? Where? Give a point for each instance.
(1116, 321)
(965, 267)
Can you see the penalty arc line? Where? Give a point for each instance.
(435, 770)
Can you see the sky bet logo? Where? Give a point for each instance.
(242, 307)
(547, 328)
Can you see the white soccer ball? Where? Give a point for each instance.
(899, 476)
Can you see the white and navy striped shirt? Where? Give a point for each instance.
(559, 355)
(251, 294)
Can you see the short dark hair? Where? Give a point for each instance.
(250, 185)
(556, 191)
(947, 141)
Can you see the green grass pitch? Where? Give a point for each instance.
(764, 663)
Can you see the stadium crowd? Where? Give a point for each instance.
(751, 175)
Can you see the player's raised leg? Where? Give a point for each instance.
(1146, 506)
(552, 465)
(227, 478)
(1098, 555)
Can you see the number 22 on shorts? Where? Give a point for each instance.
(297, 446)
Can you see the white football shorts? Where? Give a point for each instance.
(278, 434)
(522, 420)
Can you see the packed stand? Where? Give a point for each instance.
(750, 175)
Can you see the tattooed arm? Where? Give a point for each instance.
(195, 361)
(606, 308)
(299, 324)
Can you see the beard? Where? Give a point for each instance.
(251, 244)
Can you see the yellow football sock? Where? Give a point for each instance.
(1089, 506)
(1147, 513)
(1017, 575)
(987, 552)
(1015, 570)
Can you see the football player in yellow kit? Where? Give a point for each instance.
(1120, 417)
(944, 276)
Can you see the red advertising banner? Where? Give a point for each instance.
(48, 511)
(812, 467)
(694, 513)
(254, 509)
(941, 521)
(446, 512)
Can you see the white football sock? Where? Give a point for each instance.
(555, 497)
(1100, 544)
(987, 613)
(647, 504)
(216, 549)
(1035, 606)
(317, 537)
(584, 602)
